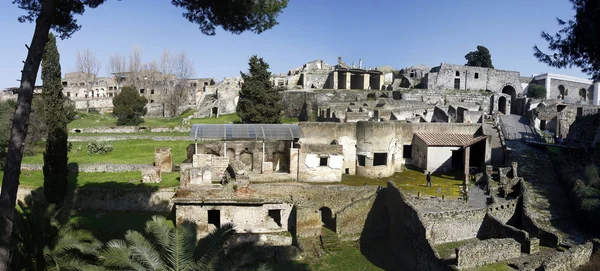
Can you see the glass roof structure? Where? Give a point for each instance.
(266, 132)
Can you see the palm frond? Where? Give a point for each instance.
(211, 246)
(161, 231)
(143, 250)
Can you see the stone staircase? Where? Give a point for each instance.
(329, 240)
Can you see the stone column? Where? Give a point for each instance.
(466, 169)
(366, 81)
(596, 96)
(514, 169)
(334, 77)
(348, 81)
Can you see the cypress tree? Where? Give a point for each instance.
(259, 101)
(56, 116)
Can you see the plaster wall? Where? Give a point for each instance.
(246, 218)
(440, 158)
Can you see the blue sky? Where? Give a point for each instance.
(399, 33)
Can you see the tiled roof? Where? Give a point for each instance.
(443, 139)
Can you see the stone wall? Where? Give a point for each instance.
(571, 94)
(121, 199)
(98, 104)
(343, 134)
(127, 137)
(486, 252)
(452, 226)
(570, 259)
(95, 167)
(246, 216)
(320, 163)
(128, 129)
(394, 221)
(296, 103)
(472, 78)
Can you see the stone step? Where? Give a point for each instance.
(329, 240)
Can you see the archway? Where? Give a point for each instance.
(502, 105)
(583, 94)
(510, 90)
(561, 92)
(230, 154)
(247, 159)
(327, 218)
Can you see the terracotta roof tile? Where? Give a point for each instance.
(444, 139)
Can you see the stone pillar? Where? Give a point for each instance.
(294, 156)
(467, 156)
(380, 83)
(184, 177)
(366, 81)
(334, 77)
(514, 169)
(348, 81)
(151, 175)
(163, 159)
(200, 160)
(548, 86)
(596, 96)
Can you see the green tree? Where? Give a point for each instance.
(578, 42)
(56, 117)
(259, 101)
(480, 58)
(536, 91)
(129, 107)
(233, 16)
(166, 247)
(45, 239)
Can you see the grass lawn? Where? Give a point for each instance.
(107, 225)
(412, 181)
(349, 258)
(125, 152)
(100, 179)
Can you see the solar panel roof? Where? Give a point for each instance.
(246, 131)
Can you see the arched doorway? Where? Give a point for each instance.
(502, 105)
(327, 218)
(562, 92)
(230, 154)
(510, 90)
(247, 159)
(583, 94)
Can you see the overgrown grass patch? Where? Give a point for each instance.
(125, 152)
(448, 250)
(413, 181)
(108, 225)
(115, 180)
(493, 267)
(349, 258)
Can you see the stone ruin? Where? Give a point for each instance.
(163, 159)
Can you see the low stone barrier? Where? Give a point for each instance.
(127, 137)
(95, 167)
(145, 199)
(128, 129)
(486, 252)
(570, 259)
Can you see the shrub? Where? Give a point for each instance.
(536, 91)
(129, 107)
(99, 148)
